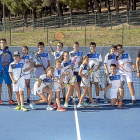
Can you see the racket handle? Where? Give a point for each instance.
(74, 60)
(51, 42)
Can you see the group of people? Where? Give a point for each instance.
(80, 64)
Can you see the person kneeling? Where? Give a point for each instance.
(116, 83)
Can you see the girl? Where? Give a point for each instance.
(27, 61)
(86, 88)
(40, 88)
(66, 64)
(59, 78)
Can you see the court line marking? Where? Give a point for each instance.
(77, 122)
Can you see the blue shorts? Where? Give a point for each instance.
(6, 78)
(77, 76)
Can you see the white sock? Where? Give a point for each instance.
(97, 97)
(133, 97)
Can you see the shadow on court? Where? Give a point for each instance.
(95, 123)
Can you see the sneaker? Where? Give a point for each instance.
(28, 101)
(105, 101)
(120, 105)
(17, 107)
(12, 102)
(97, 100)
(61, 109)
(23, 108)
(32, 105)
(54, 106)
(66, 104)
(79, 105)
(0, 101)
(117, 102)
(49, 108)
(85, 103)
(134, 102)
(87, 100)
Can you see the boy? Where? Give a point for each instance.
(123, 58)
(5, 76)
(76, 57)
(116, 84)
(93, 55)
(41, 60)
(110, 58)
(58, 54)
(15, 70)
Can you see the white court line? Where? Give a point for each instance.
(76, 121)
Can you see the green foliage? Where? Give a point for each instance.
(15, 6)
(74, 3)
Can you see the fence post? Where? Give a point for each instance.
(47, 33)
(67, 23)
(122, 33)
(33, 25)
(85, 34)
(81, 23)
(55, 23)
(129, 19)
(23, 26)
(95, 20)
(111, 19)
(13, 27)
(10, 35)
(44, 24)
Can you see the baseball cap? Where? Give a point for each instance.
(16, 53)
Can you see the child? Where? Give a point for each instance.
(15, 70)
(76, 57)
(59, 78)
(42, 62)
(110, 58)
(5, 76)
(122, 58)
(116, 84)
(58, 55)
(86, 88)
(40, 88)
(27, 61)
(65, 65)
(93, 55)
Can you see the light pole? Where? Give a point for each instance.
(4, 17)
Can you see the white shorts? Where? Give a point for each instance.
(113, 93)
(38, 89)
(27, 76)
(82, 84)
(55, 87)
(94, 77)
(72, 80)
(128, 77)
(19, 86)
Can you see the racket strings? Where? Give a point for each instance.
(5, 57)
(59, 36)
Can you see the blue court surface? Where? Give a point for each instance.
(99, 123)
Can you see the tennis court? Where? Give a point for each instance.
(99, 123)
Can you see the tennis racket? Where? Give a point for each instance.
(5, 58)
(127, 67)
(58, 36)
(22, 73)
(51, 84)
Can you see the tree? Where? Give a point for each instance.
(108, 5)
(35, 6)
(1, 11)
(74, 3)
(98, 7)
(133, 4)
(117, 5)
(17, 6)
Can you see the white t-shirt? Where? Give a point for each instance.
(44, 59)
(16, 69)
(115, 80)
(57, 54)
(84, 68)
(76, 57)
(94, 59)
(110, 59)
(125, 58)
